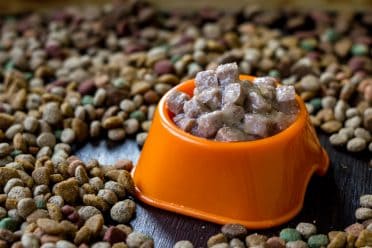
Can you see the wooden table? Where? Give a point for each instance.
(330, 201)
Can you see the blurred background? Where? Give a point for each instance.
(17, 6)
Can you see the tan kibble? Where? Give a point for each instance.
(126, 180)
(6, 174)
(81, 175)
(337, 239)
(68, 190)
(82, 236)
(95, 224)
(41, 176)
(95, 201)
(49, 226)
(216, 239)
(112, 122)
(54, 212)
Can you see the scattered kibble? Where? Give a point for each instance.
(64, 84)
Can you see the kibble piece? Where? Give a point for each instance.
(176, 100)
(356, 145)
(25, 207)
(206, 80)
(193, 108)
(364, 239)
(290, 234)
(183, 244)
(216, 239)
(228, 134)
(255, 240)
(275, 242)
(52, 113)
(318, 241)
(227, 73)
(257, 125)
(234, 231)
(126, 180)
(5, 149)
(85, 212)
(123, 211)
(30, 240)
(68, 190)
(337, 239)
(210, 97)
(136, 239)
(46, 140)
(363, 213)
(49, 226)
(366, 201)
(233, 94)
(306, 229)
(338, 139)
(236, 243)
(296, 244)
(208, 124)
(95, 224)
(184, 122)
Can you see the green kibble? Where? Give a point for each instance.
(58, 133)
(16, 153)
(316, 103)
(9, 224)
(290, 234)
(40, 203)
(28, 75)
(331, 35)
(317, 241)
(359, 49)
(175, 58)
(139, 115)
(308, 44)
(87, 99)
(274, 73)
(119, 83)
(9, 65)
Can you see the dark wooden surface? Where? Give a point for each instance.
(330, 201)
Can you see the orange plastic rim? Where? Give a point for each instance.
(259, 183)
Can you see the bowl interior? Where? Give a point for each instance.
(188, 87)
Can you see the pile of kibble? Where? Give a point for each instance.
(303, 236)
(72, 75)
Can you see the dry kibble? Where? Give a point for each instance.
(70, 83)
(306, 229)
(123, 211)
(356, 145)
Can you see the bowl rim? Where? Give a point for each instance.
(286, 134)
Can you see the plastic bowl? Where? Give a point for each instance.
(259, 184)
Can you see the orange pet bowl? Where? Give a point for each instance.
(258, 184)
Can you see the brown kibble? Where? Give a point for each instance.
(331, 126)
(364, 239)
(49, 226)
(19, 142)
(95, 201)
(6, 174)
(6, 121)
(126, 180)
(82, 236)
(216, 239)
(81, 175)
(54, 212)
(255, 240)
(124, 164)
(275, 242)
(95, 224)
(37, 214)
(68, 190)
(112, 122)
(41, 176)
(337, 239)
(80, 128)
(234, 231)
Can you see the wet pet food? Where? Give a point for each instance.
(224, 108)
